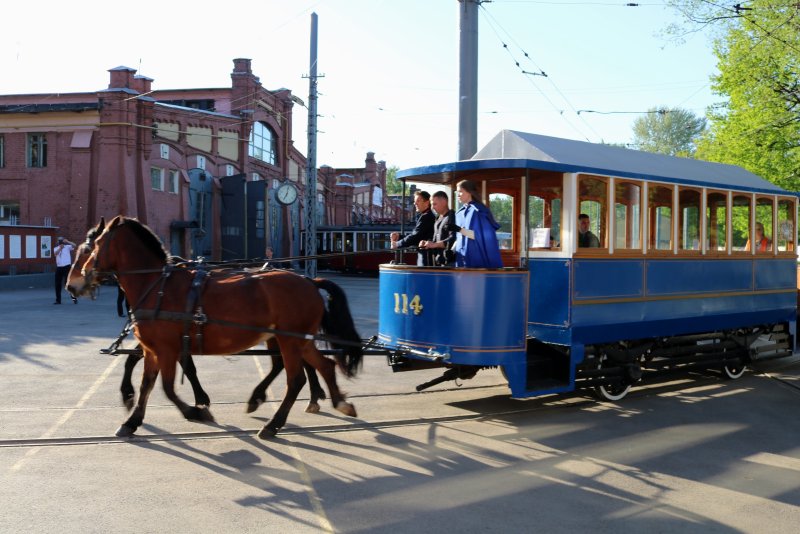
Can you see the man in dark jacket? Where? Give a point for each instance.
(423, 231)
(443, 235)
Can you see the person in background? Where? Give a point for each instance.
(586, 239)
(476, 241)
(443, 235)
(763, 243)
(122, 304)
(423, 231)
(63, 256)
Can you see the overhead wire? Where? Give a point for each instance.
(493, 24)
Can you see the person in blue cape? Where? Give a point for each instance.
(476, 243)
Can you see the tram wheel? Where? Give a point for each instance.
(612, 392)
(732, 372)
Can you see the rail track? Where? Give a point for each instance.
(220, 431)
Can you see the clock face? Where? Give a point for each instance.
(286, 194)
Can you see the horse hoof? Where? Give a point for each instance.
(267, 432)
(312, 407)
(253, 405)
(127, 401)
(346, 408)
(124, 432)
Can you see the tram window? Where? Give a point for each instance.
(764, 229)
(593, 201)
(380, 241)
(337, 242)
(784, 237)
(627, 215)
(740, 222)
(716, 221)
(659, 205)
(689, 219)
(361, 241)
(502, 207)
(544, 210)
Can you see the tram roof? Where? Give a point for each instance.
(519, 150)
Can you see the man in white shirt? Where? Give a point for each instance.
(63, 256)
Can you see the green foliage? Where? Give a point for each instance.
(393, 185)
(757, 125)
(668, 131)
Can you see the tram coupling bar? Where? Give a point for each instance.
(463, 372)
(430, 354)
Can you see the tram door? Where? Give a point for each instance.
(504, 199)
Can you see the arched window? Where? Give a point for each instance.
(263, 143)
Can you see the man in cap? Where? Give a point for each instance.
(63, 256)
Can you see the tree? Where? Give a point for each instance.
(393, 185)
(668, 131)
(757, 125)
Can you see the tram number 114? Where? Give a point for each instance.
(402, 304)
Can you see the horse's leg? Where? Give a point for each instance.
(200, 396)
(295, 380)
(317, 393)
(327, 370)
(192, 413)
(149, 376)
(126, 388)
(259, 395)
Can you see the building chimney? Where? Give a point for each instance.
(142, 84)
(121, 78)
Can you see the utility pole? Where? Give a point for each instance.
(468, 79)
(311, 164)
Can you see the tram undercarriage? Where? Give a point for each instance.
(611, 369)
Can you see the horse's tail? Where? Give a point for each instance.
(338, 323)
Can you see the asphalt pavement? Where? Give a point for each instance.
(691, 454)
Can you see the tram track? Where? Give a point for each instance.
(578, 399)
(227, 432)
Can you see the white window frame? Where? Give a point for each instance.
(172, 183)
(160, 177)
(201, 162)
(164, 151)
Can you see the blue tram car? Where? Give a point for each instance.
(696, 267)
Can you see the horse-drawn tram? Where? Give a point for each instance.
(688, 264)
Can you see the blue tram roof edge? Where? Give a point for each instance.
(519, 150)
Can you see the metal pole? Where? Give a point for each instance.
(311, 166)
(468, 79)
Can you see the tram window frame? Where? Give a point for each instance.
(716, 250)
(547, 189)
(684, 203)
(741, 210)
(653, 220)
(507, 244)
(634, 244)
(786, 232)
(361, 240)
(596, 207)
(765, 214)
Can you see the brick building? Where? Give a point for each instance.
(199, 166)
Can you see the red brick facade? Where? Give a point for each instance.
(104, 148)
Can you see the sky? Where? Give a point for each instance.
(388, 69)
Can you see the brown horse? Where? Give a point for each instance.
(180, 310)
(201, 399)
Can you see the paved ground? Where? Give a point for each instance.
(696, 454)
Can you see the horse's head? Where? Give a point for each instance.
(78, 284)
(123, 246)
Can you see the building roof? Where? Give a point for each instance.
(520, 150)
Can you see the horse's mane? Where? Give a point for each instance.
(150, 239)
